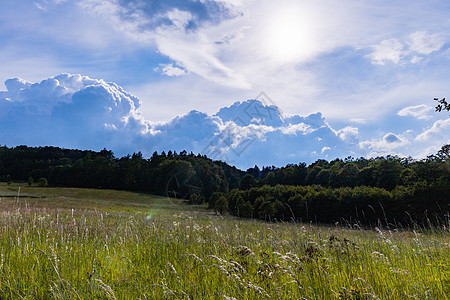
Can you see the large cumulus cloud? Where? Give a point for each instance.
(71, 111)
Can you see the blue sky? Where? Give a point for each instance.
(370, 68)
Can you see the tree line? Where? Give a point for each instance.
(180, 175)
(387, 190)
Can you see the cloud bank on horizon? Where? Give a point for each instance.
(75, 111)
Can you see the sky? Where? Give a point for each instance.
(333, 78)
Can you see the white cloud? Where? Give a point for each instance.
(196, 54)
(358, 120)
(70, 110)
(388, 50)
(420, 112)
(180, 19)
(301, 128)
(193, 50)
(424, 43)
(39, 6)
(430, 150)
(416, 59)
(348, 134)
(385, 145)
(16, 84)
(170, 70)
(252, 111)
(419, 43)
(440, 129)
(325, 149)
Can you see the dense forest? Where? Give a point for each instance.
(180, 175)
(388, 191)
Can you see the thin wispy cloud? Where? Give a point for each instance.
(424, 43)
(417, 46)
(170, 70)
(421, 112)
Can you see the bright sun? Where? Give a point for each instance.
(288, 35)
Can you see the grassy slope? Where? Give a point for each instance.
(99, 244)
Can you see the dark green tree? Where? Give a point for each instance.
(221, 205)
(323, 177)
(243, 208)
(348, 175)
(214, 198)
(247, 182)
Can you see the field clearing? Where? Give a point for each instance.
(101, 244)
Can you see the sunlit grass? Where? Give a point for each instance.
(88, 244)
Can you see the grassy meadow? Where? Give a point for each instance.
(58, 243)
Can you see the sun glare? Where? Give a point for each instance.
(288, 35)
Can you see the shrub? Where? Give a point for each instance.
(42, 182)
(221, 205)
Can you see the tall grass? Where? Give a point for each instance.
(49, 250)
